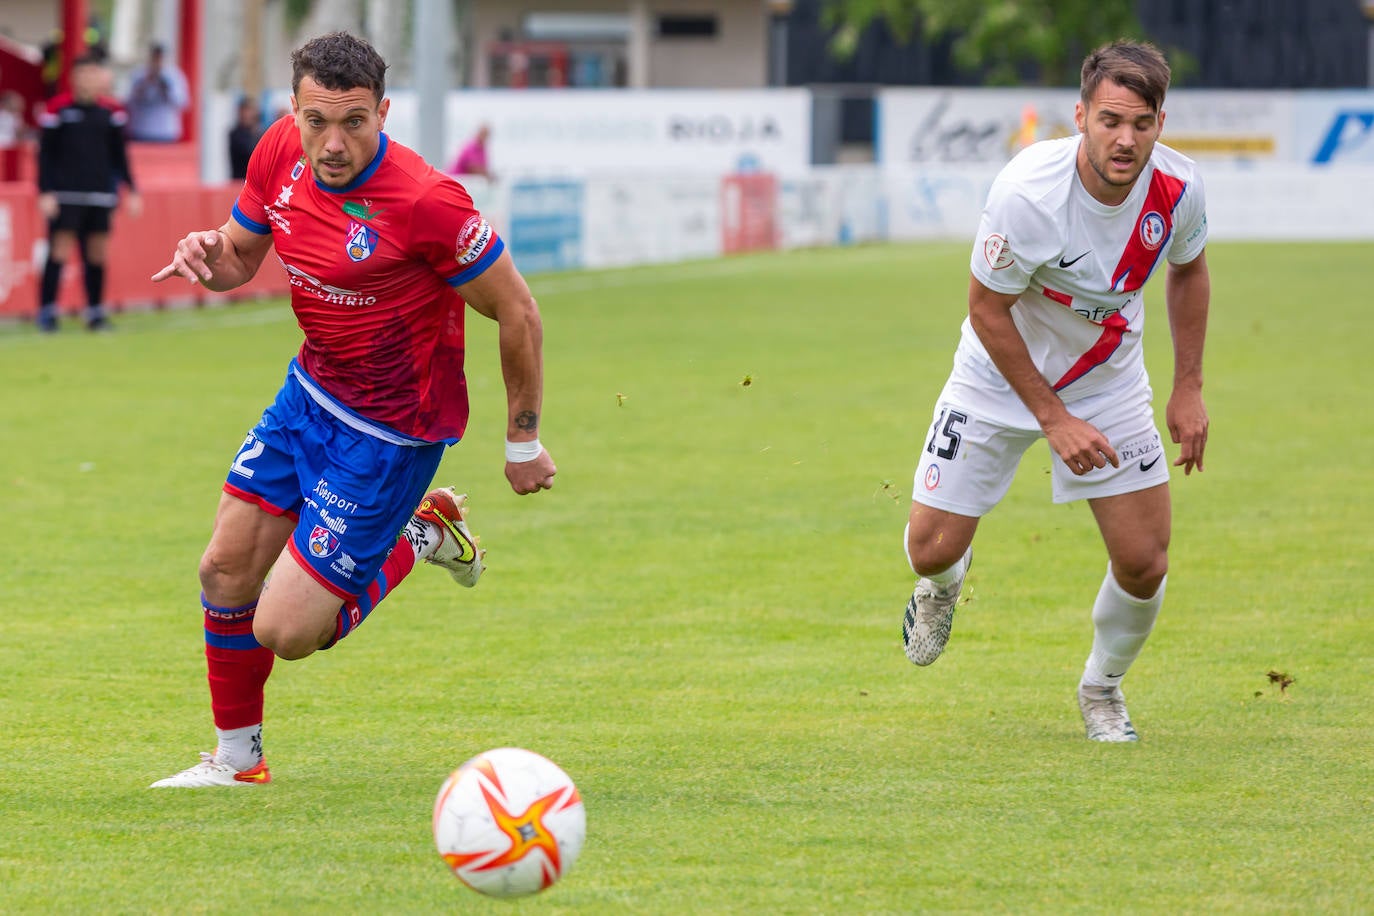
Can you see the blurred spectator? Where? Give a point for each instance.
(53, 64)
(13, 132)
(82, 160)
(472, 158)
(243, 137)
(157, 96)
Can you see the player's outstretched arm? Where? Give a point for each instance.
(1188, 291)
(222, 259)
(501, 294)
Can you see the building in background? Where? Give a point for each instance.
(736, 44)
(635, 44)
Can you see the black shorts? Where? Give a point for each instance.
(82, 219)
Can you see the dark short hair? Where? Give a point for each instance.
(1137, 66)
(339, 61)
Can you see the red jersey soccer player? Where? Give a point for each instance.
(376, 243)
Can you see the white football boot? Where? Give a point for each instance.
(457, 551)
(930, 617)
(1104, 714)
(210, 773)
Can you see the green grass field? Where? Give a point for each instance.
(700, 622)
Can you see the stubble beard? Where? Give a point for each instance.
(1098, 165)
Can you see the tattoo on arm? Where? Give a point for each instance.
(527, 420)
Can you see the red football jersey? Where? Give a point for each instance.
(372, 269)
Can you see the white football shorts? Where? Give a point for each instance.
(981, 429)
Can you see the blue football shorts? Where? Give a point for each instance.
(350, 483)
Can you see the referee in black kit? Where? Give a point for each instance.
(82, 158)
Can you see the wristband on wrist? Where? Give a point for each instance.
(520, 452)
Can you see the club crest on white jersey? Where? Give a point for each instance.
(1153, 230)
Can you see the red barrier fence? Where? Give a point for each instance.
(174, 203)
(749, 213)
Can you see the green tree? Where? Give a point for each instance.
(998, 37)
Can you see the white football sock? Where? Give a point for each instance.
(423, 537)
(941, 580)
(1121, 624)
(240, 748)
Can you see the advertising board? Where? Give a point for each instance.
(951, 126)
(595, 132)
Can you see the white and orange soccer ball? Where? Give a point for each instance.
(509, 822)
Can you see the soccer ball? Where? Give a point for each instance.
(509, 822)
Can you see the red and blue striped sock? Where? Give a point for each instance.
(238, 667)
(397, 566)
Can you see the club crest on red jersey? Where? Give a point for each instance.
(322, 542)
(298, 169)
(361, 241)
(473, 240)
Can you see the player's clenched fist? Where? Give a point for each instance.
(195, 256)
(531, 476)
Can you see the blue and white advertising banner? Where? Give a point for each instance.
(620, 132)
(936, 202)
(1289, 202)
(1336, 128)
(965, 126)
(651, 220)
(545, 224)
(833, 205)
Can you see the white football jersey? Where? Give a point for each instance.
(1079, 265)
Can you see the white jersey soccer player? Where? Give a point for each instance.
(1051, 349)
(1079, 265)
(1079, 268)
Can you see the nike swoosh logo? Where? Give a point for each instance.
(468, 550)
(1146, 467)
(1064, 263)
